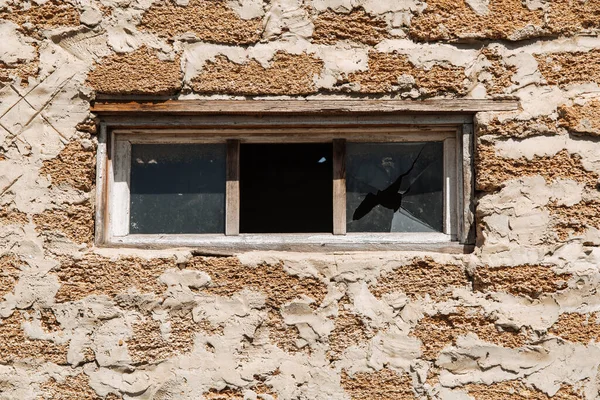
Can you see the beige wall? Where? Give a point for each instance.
(516, 319)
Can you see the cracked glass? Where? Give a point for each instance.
(394, 187)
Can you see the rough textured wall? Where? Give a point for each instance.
(517, 319)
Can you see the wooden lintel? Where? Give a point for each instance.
(233, 107)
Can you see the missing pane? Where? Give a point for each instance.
(394, 187)
(177, 188)
(286, 188)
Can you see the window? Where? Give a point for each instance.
(286, 188)
(175, 188)
(285, 181)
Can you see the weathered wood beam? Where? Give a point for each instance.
(339, 186)
(195, 107)
(232, 203)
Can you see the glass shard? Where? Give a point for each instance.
(394, 187)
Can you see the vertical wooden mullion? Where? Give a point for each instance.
(467, 159)
(232, 189)
(450, 189)
(101, 226)
(120, 176)
(459, 186)
(339, 186)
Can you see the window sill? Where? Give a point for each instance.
(319, 242)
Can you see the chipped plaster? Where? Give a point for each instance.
(519, 314)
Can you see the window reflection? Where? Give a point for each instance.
(394, 187)
(177, 188)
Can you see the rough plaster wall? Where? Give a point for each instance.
(516, 319)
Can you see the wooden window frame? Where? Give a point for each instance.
(267, 122)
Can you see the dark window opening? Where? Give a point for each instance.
(286, 188)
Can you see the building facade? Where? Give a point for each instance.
(512, 316)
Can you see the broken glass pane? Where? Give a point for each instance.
(177, 188)
(394, 187)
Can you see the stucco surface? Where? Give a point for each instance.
(515, 319)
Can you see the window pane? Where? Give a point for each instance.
(177, 188)
(286, 188)
(394, 187)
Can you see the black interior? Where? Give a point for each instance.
(286, 188)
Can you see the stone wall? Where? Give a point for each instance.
(516, 319)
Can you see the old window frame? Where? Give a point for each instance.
(289, 122)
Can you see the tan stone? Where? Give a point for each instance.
(149, 346)
(237, 394)
(74, 166)
(88, 126)
(522, 280)
(48, 321)
(575, 219)
(583, 119)
(23, 70)
(281, 334)
(516, 390)
(422, 277)
(209, 20)
(568, 17)
(349, 330)
(438, 331)
(50, 14)
(492, 171)
(229, 276)
(76, 222)
(570, 68)
(385, 69)
(72, 387)
(288, 74)
(106, 10)
(383, 384)
(501, 72)
(140, 72)
(15, 346)
(224, 394)
(578, 328)
(10, 270)
(454, 19)
(12, 217)
(356, 26)
(96, 275)
(517, 128)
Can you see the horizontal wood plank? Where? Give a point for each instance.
(209, 250)
(194, 107)
(260, 121)
(289, 135)
(223, 245)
